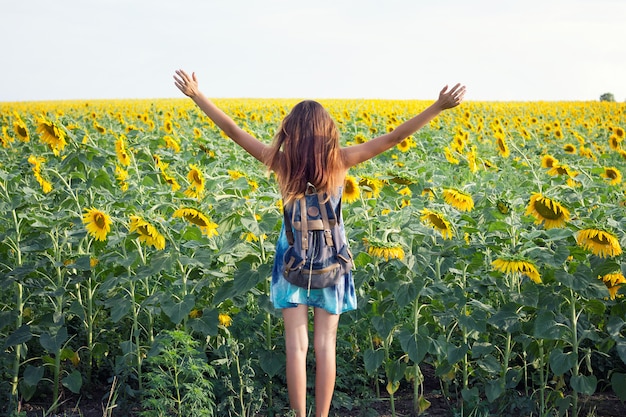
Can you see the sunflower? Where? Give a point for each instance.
(51, 134)
(351, 190)
(450, 157)
(122, 177)
(20, 129)
(196, 217)
(503, 148)
(547, 211)
(147, 232)
(97, 223)
(37, 162)
(600, 242)
(521, 266)
(569, 148)
(613, 282)
(372, 186)
(613, 175)
(359, 138)
(235, 175)
(614, 143)
(558, 133)
(406, 144)
(5, 138)
(548, 161)
(171, 143)
(251, 237)
(619, 132)
(503, 206)
(196, 182)
(438, 222)
(428, 193)
(458, 199)
(384, 250)
(561, 169)
(99, 128)
(120, 149)
(168, 126)
(471, 160)
(587, 153)
(224, 319)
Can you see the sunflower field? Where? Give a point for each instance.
(136, 246)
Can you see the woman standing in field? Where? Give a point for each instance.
(304, 152)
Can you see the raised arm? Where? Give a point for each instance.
(448, 99)
(189, 86)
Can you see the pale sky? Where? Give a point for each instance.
(502, 50)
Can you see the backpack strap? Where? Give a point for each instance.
(288, 226)
(304, 226)
(324, 211)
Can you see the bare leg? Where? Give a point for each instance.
(296, 345)
(325, 344)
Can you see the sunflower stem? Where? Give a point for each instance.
(19, 304)
(575, 370)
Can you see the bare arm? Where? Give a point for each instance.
(189, 86)
(356, 154)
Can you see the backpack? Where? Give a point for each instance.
(318, 255)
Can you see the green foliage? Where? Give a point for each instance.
(177, 378)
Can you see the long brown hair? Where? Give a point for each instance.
(306, 150)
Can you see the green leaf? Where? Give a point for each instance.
(177, 311)
(584, 384)
(73, 381)
(494, 389)
(207, 324)
(620, 346)
(414, 345)
(618, 383)
(373, 359)
(120, 308)
(33, 374)
(272, 362)
(405, 294)
(53, 343)
(561, 362)
(456, 353)
(614, 327)
(384, 325)
(395, 371)
(470, 395)
(546, 327)
(507, 319)
(490, 364)
(21, 335)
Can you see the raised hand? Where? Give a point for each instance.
(188, 85)
(452, 98)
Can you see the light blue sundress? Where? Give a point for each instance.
(337, 299)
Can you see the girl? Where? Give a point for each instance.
(306, 151)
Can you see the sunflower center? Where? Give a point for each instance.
(600, 239)
(143, 230)
(196, 220)
(196, 177)
(437, 222)
(99, 220)
(547, 212)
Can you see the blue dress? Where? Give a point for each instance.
(336, 299)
